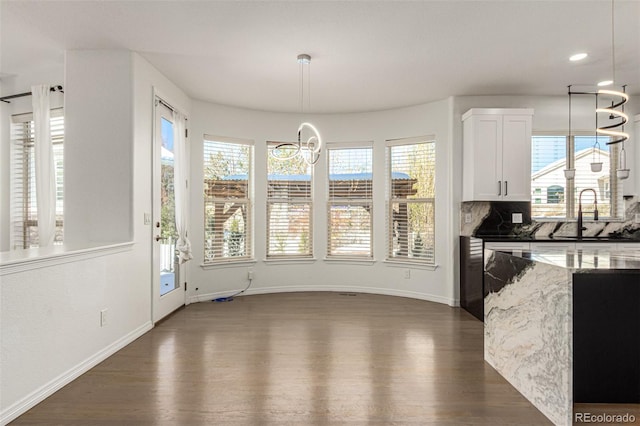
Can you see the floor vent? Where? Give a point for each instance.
(347, 294)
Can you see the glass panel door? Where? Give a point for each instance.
(168, 292)
(168, 258)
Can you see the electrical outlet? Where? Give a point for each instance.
(467, 218)
(516, 217)
(407, 274)
(249, 275)
(103, 317)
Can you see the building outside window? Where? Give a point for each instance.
(411, 165)
(228, 189)
(555, 194)
(24, 209)
(289, 207)
(350, 201)
(552, 154)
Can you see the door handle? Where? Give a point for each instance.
(506, 188)
(158, 238)
(499, 187)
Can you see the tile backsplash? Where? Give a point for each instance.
(495, 218)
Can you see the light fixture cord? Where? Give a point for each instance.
(613, 45)
(569, 158)
(309, 86)
(301, 88)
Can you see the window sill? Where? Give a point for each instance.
(350, 260)
(12, 262)
(415, 265)
(228, 264)
(290, 261)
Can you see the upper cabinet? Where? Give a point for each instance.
(497, 154)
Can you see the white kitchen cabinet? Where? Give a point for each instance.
(497, 154)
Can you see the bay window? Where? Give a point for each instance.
(411, 165)
(228, 189)
(350, 201)
(289, 207)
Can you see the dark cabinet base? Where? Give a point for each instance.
(471, 276)
(606, 337)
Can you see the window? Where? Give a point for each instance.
(411, 166)
(350, 203)
(228, 188)
(555, 194)
(289, 207)
(551, 155)
(24, 212)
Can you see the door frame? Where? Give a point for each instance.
(161, 305)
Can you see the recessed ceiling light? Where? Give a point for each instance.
(605, 83)
(577, 57)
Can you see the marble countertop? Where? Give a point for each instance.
(557, 239)
(587, 260)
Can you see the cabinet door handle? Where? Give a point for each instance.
(499, 187)
(506, 188)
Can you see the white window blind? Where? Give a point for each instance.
(350, 204)
(411, 169)
(227, 199)
(289, 207)
(24, 212)
(556, 197)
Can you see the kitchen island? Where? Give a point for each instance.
(562, 326)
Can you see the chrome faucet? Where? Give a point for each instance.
(595, 210)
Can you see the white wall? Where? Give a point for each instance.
(379, 277)
(51, 322)
(50, 307)
(98, 149)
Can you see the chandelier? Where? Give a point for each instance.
(309, 149)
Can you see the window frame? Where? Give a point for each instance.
(304, 201)
(391, 256)
(247, 201)
(23, 204)
(365, 201)
(570, 187)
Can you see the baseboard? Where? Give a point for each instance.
(355, 289)
(37, 396)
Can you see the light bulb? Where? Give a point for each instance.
(577, 57)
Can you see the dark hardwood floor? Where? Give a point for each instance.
(297, 359)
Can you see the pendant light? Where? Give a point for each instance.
(616, 110)
(311, 148)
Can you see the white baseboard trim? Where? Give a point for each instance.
(353, 289)
(37, 396)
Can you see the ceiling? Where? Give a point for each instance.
(366, 55)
